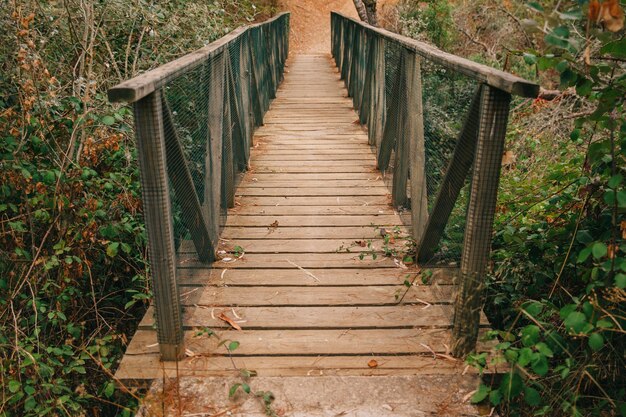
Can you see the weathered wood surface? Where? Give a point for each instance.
(501, 80)
(307, 304)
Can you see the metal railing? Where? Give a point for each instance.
(194, 119)
(438, 123)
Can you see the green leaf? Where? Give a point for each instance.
(617, 48)
(536, 6)
(544, 349)
(599, 250)
(583, 255)
(233, 390)
(621, 199)
(246, 388)
(112, 249)
(480, 394)
(511, 385)
(532, 396)
(533, 308)
(530, 335)
(233, 345)
(620, 281)
(615, 181)
(525, 356)
(108, 120)
(575, 322)
(539, 364)
(495, 397)
(604, 324)
(109, 389)
(530, 59)
(596, 341)
(14, 386)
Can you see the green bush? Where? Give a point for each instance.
(73, 278)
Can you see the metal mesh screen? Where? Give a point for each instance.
(380, 78)
(210, 112)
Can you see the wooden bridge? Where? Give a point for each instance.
(311, 245)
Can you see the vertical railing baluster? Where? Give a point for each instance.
(417, 148)
(159, 226)
(494, 110)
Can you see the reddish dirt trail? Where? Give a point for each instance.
(310, 23)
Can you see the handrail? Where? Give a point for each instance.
(384, 75)
(140, 86)
(501, 80)
(194, 121)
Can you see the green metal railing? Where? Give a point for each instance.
(194, 120)
(438, 123)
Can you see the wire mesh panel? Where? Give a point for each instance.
(438, 122)
(195, 118)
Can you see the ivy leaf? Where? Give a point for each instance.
(583, 255)
(480, 394)
(233, 345)
(596, 341)
(615, 181)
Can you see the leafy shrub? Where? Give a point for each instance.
(73, 278)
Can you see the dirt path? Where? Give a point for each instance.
(310, 23)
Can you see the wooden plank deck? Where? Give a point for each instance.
(307, 304)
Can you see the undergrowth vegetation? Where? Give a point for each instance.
(73, 278)
(557, 283)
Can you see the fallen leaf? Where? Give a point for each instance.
(372, 363)
(275, 224)
(508, 158)
(611, 15)
(360, 243)
(230, 321)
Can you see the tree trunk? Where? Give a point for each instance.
(370, 7)
(361, 10)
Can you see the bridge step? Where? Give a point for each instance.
(318, 293)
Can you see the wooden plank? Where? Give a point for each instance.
(312, 192)
(305, 176)
(150, 367)
(305, 245)
(318, 201)
(350, 232)
(354, 277)
(258, 318)
(308, 342)
(264, 157)
(311, 210)
(295, 260)
(314, 221)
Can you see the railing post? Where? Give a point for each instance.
(417, 147)
(158, 216)
(494, 110)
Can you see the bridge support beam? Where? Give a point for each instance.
(158, 215)
(494, 110)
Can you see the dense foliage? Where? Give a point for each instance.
(73, 279)
(557, 286)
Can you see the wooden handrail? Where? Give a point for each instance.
(383, 75)
(140, 86)
(501, 80)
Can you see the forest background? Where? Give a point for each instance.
(73, 275)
